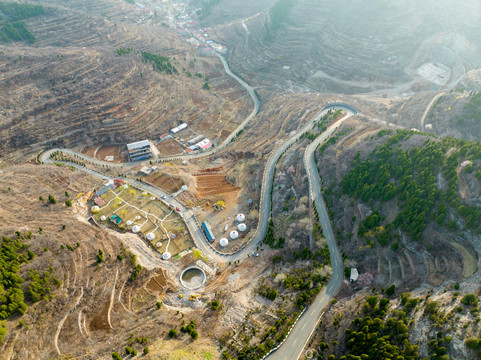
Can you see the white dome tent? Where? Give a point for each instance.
(103, 218)
(135, 229)
(150, 236)
(166, 255)
(242, 227)
(240, 218)
(234, 235)
(224, 242)
(129, 222)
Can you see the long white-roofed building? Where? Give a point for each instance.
(139, 150)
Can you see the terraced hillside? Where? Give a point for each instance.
(352, 47)
(390, 231)
(222, 12)
(72, 88)
(98, 304)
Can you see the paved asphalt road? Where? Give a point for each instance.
(300, 334)
(295, 342)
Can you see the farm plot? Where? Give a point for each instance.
(132, 210)
(213, 184)
(168, 183)
(169, 147)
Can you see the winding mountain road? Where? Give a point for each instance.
(293, 346)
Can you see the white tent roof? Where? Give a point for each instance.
(103, 218)
(166, 255)
(95, 208)
(240, 217)
(150, 236)
(234, 235)
(135, 228)
(224, 242)
(242, 227)
(129, 222)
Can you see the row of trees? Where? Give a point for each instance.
(160, 63)
(15, 11)
(12, 28)
(14, 253)
(411, 176)
(376, 336)
(16, 31)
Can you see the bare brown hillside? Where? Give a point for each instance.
(71, 88)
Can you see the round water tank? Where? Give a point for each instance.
(135, 228)
(234, 235)
(242, 227)
(240, 217)
(137, 217)
(150, 236)
(224, 242)
(95, 209)
(125, 186)
(159, 244)
(184, 187)
(103, 218)
(129, 222)
(166, 255)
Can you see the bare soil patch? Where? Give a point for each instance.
(166, 182)
(111, 150)
(169, 147)
(100, 321)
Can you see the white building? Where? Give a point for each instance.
(139, 150)
(354, 275)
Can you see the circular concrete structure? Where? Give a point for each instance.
(192, 278)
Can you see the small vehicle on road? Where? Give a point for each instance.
(255, 253)
(177, 209)
(163, 197)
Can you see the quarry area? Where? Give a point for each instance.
(225, 179)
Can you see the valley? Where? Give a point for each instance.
(216, 180)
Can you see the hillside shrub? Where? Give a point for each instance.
(470, 300)
(472, 343)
